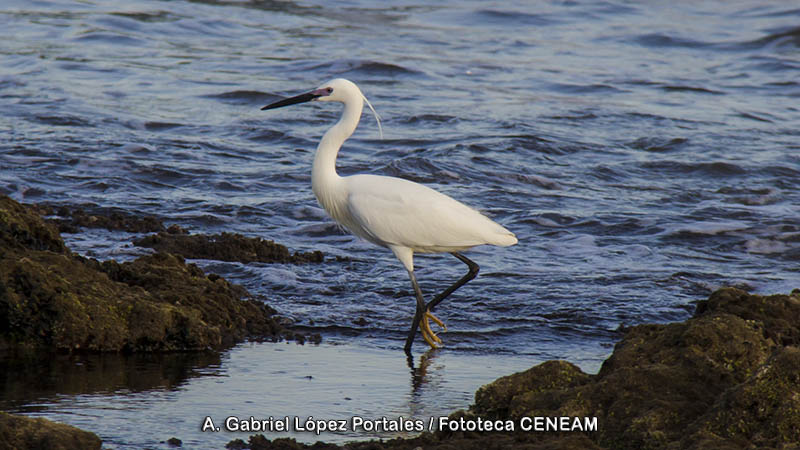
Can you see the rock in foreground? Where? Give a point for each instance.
(19, 432)
(727, 378)
(50, 297)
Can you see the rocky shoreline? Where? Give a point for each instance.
(729, 377)
(54, 300)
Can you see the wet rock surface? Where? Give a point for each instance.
(225, 247)
(52, 298)
(70, 219)
(729, 377)
(172, 239)
(18, 432)
(22, 230)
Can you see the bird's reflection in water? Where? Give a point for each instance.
(419, 374)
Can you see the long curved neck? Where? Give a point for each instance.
(323, 172)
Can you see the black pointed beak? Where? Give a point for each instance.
(302, 98)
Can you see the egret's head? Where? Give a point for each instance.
(336, 90)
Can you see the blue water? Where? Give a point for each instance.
(644, 154)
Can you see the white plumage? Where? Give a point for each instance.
(395, 212)
(402, 215)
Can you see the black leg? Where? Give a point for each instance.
(473, 272)
(417, 316)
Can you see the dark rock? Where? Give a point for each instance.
(779, 314)
(51, 298)
(22, 230)
(664, 379)
(225, 247)
(176, 229)
(762, 412)
(20, 432)
(661, 378)
(510, 396)
(72, 218)
(174, 442)
(236, 444)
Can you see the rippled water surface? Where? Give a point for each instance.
(644, 154)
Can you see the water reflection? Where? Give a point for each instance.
(118, 396)
(29, 381)
(419, 373)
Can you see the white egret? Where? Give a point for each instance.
(404, 216)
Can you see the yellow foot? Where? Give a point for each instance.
(430, 337)
(429, 315)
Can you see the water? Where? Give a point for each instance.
(643, 154)
(143, 400)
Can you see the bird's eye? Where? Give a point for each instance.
(329, 90)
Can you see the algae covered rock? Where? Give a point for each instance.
(70, 219)
(778, 314)
(661, 378)
(225, 247)
(20, 229)
(52, 298)
(529, 393)
(727, 366)
(20, 432)
(763, 411)
(213, 300)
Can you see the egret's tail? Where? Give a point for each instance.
(504, 240)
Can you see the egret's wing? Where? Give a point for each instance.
(393, 211)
